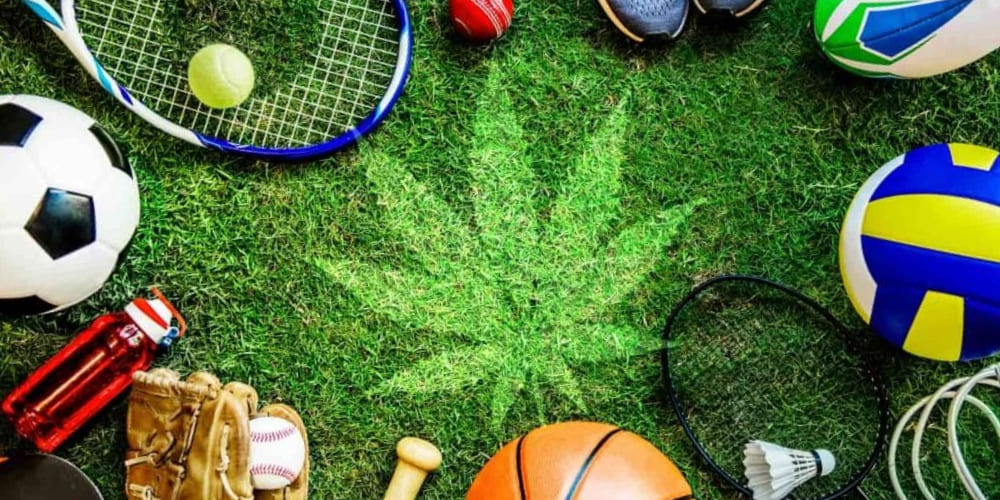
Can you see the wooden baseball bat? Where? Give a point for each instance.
(417, 458)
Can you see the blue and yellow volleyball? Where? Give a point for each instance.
(920, 252)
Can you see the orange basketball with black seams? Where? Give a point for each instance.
(579, 461)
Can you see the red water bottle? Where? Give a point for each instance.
(81, 379)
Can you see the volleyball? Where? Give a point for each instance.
(920, 252)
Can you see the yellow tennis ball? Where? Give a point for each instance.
(221, 76)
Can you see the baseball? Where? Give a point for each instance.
(277, 453)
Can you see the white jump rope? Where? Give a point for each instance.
(958, 392)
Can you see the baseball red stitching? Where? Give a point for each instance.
(273, 470)
(272, 436)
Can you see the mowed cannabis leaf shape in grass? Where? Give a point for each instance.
(521, 292)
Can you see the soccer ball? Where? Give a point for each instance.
(69, 205)
(906, 38)
(920, 252)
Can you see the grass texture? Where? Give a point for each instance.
(503, 252)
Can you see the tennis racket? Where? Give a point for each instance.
(341, 67)
(749, 359)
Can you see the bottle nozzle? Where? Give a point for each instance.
(155, 318)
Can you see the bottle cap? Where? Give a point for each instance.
(153, 317)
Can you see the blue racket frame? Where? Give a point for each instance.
(67, 31)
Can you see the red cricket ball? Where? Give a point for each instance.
(482, 20)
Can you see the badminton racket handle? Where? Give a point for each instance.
(417, 458)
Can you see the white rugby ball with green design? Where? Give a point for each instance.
(907, 38)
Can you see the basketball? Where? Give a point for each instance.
(579, 461)
(920, 252)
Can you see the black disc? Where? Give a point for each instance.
(44, 477)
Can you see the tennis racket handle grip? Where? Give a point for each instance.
(417, 458)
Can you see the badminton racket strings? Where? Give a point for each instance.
(745, 361)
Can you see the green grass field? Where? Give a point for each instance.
(503, 252)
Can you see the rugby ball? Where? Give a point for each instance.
(907, 38)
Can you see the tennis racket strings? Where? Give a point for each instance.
(747, 362)
(330, 74)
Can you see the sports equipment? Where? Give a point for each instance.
(738, 354)
(958, 391)
(96, 367)
(277, 453)
(731, 8)
(906, 38)
(643, 20)
(69, 205)
(221, 76)
(417, 458)
(774, 471)
(44, 477)
(481, 20)
(188, 439)
(582, 461)
(338, 80)
(299, 488)
(919, 252)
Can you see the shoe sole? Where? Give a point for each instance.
(618, 22)
(746, 10)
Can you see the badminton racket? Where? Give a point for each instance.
(749, 359)
(342, 66)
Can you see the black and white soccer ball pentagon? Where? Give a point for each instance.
(69, 205)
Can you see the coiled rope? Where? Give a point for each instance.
(959, 392)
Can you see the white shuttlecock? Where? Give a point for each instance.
(774, 471)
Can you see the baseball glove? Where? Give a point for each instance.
(188, 440)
